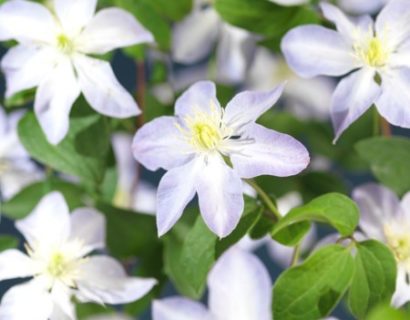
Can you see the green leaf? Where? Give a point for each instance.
(389, 160)
(334, 209)
(311, 290)
(386, 312)
(8, 242)
(20, 99)
(24, 202)
(174, 10)
(82, 153)
(374, 279)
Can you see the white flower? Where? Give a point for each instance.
(52, 55)
(240, 288)
(385, 218)
(362, 6)
(16, 168)
(374, 55)
(195, 37)
(58, 247)
(117, 316)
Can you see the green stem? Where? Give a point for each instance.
(295, 256)
(265, 198)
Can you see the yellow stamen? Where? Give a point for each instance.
(374, 53)
(65, 44)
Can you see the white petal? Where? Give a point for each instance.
(176, 189)
(313, 50)
(361, 7)
(54, 100)
(394, 102)
(176, 308)
(111, 29)
(194, 37)
(102, 90)
(378, 205)
(26, 301)
(22, 173)
(74, 14)
(49, 223)
(159, 144)
(88, 226)
(402, 293)
(289, 2)
(250, 297)
(26, 67)
(15, 264)
(352, 97)
(103, 280)
(27, 22)
(200, 97)
(145, 198)
(269, 153)
(220, 195)
(248, 106)
(405, 205)
(64, 308)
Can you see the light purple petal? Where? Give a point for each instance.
(270, 153)
(313, 50)
(49, 223)
(220, 196)
(248, 106)
(160, 144)
(176, 189)
(102, 90)
(200, 97)
(345, 27)
(111, 29)
(361, 7)
(15, 264)
(353, 96)
(402, 293)
(74, 14)
(378, 205)
(405, 205)
(394, 102)
(176, 308)
(240, 287)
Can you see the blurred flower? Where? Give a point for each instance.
(52, 55)
(16, 168)
(58, 248)
(196, 35)
(362, 6)
(374, 52)
(192, 146)
(385, 218)
(117, 316)
(239, 288)
(290, 2)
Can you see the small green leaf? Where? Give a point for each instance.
(334, 209)
(389, 160)
(374, 279)
(8, 242)
(311, 290)
(20, 99)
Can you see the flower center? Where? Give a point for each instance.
(205, 136)
(65, 44)
(57, 265)
(399, 242)
(373, 54)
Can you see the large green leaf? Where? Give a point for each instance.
(389, 160)
(311, 290)
(374, 279)
(334, 209)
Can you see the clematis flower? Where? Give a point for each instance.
(385, 218)
(377, 53)
(362, 6)
(53, 55)
(196, 35)
(16, 168)
(58, 247)
(193, 147)
(239, 288)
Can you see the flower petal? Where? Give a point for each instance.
(248, 106)
(270, 153)
(26, 301)
(64, 308)
(248, 298)
(54, 100)
(88, 226)
(393, 103)
(176, 189)
(361, 7)
(15, 264)
(27, 22)
(111, 29)
(402, 293)
(159, 144)
(313, 50)
(177, 308)
(26, 67)
(103, 280)
(49, 223)
(74, 14)
(405, 205)
(220, 195)
(289, 2)
(377, 205)
(352, 97)
(102, 90)
(200, 97)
